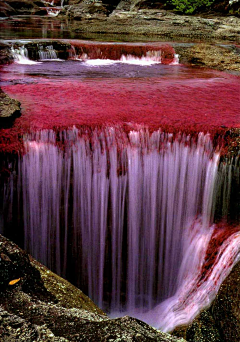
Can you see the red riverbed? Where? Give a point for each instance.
(190, 105)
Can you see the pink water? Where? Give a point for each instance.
(179, 99)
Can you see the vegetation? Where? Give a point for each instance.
(190, 6)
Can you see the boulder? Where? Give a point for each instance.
(88, 10)
(9, 109)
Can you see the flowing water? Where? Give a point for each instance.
(113, 174)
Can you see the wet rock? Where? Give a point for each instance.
(37, 305)
(221, 322)
(9, 109)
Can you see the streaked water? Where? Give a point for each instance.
(129, 216)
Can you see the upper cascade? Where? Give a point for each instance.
(126, 52)
(130, 53)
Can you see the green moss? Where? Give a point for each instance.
(67, 295)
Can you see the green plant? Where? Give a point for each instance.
(190, 6)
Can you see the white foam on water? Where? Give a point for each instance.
(99, 62)
(138, 61)
(175, 60)
(20, 56)
(52, 60)
(26, 61)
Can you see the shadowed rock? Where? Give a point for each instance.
(37, 305)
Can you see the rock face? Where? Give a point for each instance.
(9, 109)
(221, 322)
(37, 305)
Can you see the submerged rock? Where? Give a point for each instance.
(37, 305)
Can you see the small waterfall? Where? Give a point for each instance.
(46, 53)
(152, 57)
(126, 52)
(53, 12)
(128, 217)
(20, 55)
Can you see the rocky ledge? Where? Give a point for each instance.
(156, 23)
(37, 305)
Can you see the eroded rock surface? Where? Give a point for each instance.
(37, 305)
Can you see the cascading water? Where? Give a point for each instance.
(99, 53)
(145, 222)
(127, 216)
(47, 53)
(20, 55)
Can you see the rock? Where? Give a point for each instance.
(221, 322)
(159, 23)
(88, 10)
(22, 7)
(225, 57)
(5, 54)
(9, 109)
(37, 305)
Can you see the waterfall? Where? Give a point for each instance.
(95, 53)
(20, 55)
(128, 217)
(144, 54)
(46, 53)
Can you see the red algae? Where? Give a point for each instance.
(115, 51)
(191, 106)
(222, 232)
